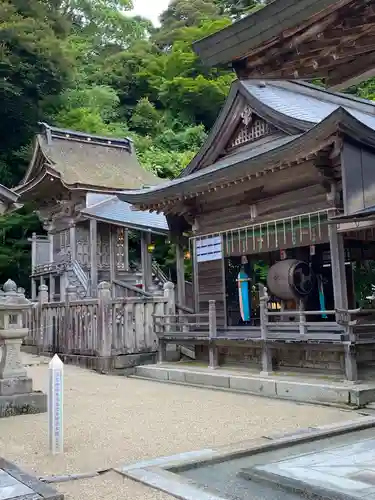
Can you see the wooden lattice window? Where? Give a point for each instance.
(251, 129)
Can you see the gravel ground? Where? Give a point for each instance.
(109, 421)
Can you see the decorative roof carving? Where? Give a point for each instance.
(246, 115)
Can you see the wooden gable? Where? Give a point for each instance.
(250, 129)
(243, 121)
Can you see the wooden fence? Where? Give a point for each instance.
(100, 328)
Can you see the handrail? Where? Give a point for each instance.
(179, 325)
(184, 309)
(159, 273)
(80, 273)
(132, 288)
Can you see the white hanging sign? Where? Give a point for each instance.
(55, 405)
(209, 249)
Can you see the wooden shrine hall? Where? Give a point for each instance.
(73, 179)
(281, 285)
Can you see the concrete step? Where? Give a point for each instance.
(303, 389)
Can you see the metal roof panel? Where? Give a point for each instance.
(294, 102)
(120, 212)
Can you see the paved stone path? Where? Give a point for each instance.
(112, 421)
(348, 469)
(17, 485)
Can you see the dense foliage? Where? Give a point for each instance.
(87, 65)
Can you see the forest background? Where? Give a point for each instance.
(87, 65)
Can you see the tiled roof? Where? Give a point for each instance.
(110, 209)
(308, 103)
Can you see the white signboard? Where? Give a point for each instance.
(55, 405)
(209, 249)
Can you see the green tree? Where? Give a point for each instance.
(235, 9)
(104, 22)
(15, 260)
(182, 14)
(145, 118)
(33, 65)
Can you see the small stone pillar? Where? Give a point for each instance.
(16, 395)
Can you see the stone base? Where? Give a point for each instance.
(295, 388)
(23, 404)
(125, 361)
(10, 386)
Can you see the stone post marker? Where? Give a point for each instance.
(55, 405)
(16, 394)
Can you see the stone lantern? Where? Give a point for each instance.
(16, 395)
(12, 331)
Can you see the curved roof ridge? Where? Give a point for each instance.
(76, 134)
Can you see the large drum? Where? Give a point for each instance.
(290, 279)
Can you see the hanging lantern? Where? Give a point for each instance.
(151, 247)
(120, 236)
(187, 255)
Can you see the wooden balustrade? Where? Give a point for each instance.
(100, 328)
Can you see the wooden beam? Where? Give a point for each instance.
(112, 253)
(180, 271)
(338, 267)
(126, 249)
(72, 237)
(94, 256)
(363, 65)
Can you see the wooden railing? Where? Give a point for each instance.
(123, 289)
(187, 326)
(100, 328)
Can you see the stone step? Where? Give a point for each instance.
(302, 389)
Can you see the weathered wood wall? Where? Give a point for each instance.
(279, 195)
(358, 177)
(231, 216)
(211, 286)
(100, 328)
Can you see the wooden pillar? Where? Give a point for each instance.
(51, 287)
(33, 289)
(94, 257)
(63, 286)
(33, 263)
(340, 293)
(112, 253)
(180, 271)
(73, 242)
(126, 249)
(146, 259)
(50, 238)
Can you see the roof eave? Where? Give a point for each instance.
(235, 38)
(339, 121)
(136, 227)
(7, 195)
